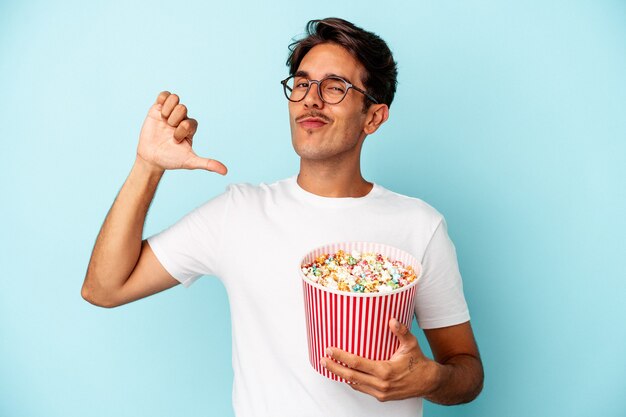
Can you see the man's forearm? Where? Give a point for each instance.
(118, 244)
(461, 380)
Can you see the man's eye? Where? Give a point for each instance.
(334, 88)
(302, 84)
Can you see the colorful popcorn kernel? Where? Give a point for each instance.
(359, 272)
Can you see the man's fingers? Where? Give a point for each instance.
(168, 106)
(186, 129)
(366, 389)
(161, 97)
(196, 162)
(354, 376)
(178, 115)
(380, 369)
(408, 341)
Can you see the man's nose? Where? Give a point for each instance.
(313, 98)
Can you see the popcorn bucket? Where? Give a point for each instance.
(355, 322)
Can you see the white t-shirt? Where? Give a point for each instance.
(253, 237)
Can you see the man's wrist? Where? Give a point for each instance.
(458, 381)
(148, 168)
(438, 376)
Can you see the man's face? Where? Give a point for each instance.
(322, 131)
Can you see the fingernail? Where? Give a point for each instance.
(329, 351)
(323, 362)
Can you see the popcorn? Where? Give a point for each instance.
(366, 272)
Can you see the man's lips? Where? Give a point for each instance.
(312, 122)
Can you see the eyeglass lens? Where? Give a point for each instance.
(331, 90)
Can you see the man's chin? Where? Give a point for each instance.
(309, 154)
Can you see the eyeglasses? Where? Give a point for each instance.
(332, 90)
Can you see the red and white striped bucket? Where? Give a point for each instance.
(355, 322)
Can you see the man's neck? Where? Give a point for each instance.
(332, 181)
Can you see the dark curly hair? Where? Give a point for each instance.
(369, 49)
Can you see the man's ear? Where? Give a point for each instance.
(377, 114)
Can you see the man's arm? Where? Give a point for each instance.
(454, 377)
(119, 251)
(461, 376)
(123, 268)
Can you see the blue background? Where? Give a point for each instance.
(509, 118)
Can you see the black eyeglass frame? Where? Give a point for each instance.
(349, 86)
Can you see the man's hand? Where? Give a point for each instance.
(409, 373)
(167, 135)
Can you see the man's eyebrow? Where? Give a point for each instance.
(330, 74)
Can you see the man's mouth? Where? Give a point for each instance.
(311, 122)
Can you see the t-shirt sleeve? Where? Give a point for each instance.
(190, 247)
(439, 300)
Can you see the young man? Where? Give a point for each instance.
(342, 81)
